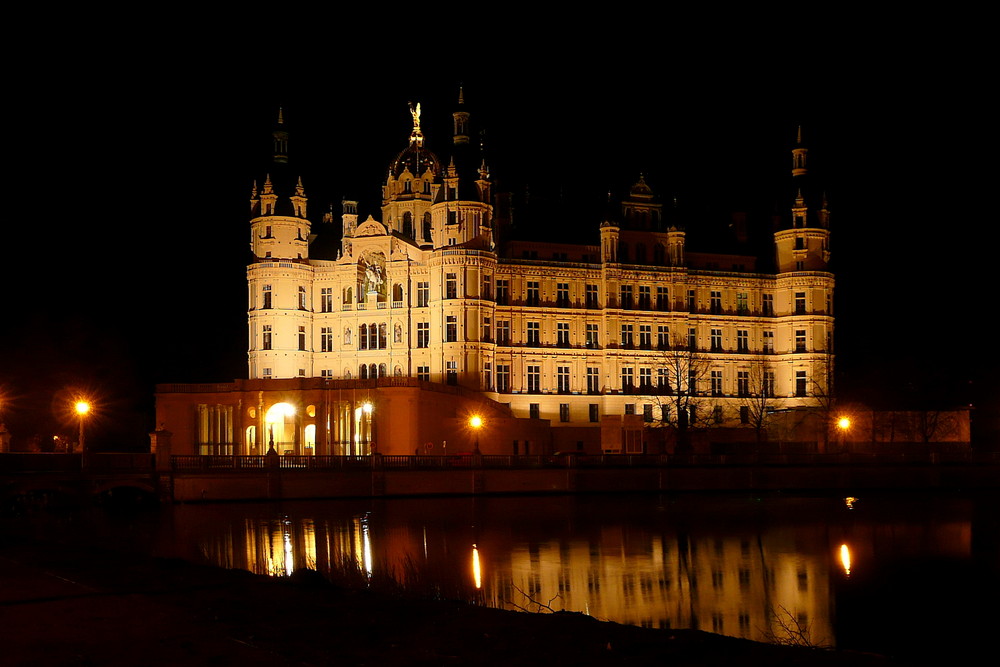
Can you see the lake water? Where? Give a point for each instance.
(909, 575)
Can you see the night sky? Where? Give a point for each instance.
(126, 245)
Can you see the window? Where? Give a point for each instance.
(630, 408)
(716, 302)
(645, 336)
(663, 380)
(628, 380)
(800, 383)
(692, 338)
(534, 334)
(267, 297)
(562, 379)
(503, 378)
(532, 414)
(302, 298)
(326, 300)
(503, 292)
(645, 301)
(800, 340)
(767, 305)
(592, 296)
(326, 373)
(533, 293)
(742, 304)
(646, 378)
(626, 296)
(564, 412)
(662, 337)
(302, 339)
(595, 412)
(534, 379)
(266, 344)
(593, 380)
(562, 295)
(450, 286)
(326, 339)
(423, 334)
(592, 337)
(768, 342)
(487, 284)
(486, 329)
(800, 303)
(488, 376)
(423, 294)
(503, 332)
(375, 341)
(691, 300)
(768, 388)
(742, 384)
(744, 414)
(716, 340)
(716, 378)
(647, 412)
(627, 340)
(451, 372)
(451, 328)
(662, 298)
(562, 333)
(742, 341)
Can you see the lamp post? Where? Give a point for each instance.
(476, 423)
(843, 425)
(82, 409)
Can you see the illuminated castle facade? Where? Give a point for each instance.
(434, 295)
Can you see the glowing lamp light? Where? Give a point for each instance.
(477, 573)
(81, 407)
(367, 407)
(476, 421)
(844, 423)
(845, 559)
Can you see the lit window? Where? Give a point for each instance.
(423, 334)
(593, 380)
(326, 300)
(451, 328)
(564, 412)
(266, 344)
(562, 332)
(534, 334)
(562, 378)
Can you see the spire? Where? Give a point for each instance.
(299, 190)
(460, 136)
(799, 156)
(280, 135)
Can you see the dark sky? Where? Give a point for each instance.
(127, 240)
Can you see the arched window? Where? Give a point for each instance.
(363, 337)
(397, 371)
(363, 372)
(408, 223)
(348, 295)
(373, 336)
(382, 340)
(427, 226)
(373, 371)
(381, 370)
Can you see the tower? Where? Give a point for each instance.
(279, 277)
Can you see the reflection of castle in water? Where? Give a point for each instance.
(753, 581)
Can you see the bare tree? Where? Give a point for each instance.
(681, 380)
(755, 391)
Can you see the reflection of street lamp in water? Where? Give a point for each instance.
(82, 409)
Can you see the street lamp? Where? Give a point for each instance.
(82, 409)
(476, 423)
(844, 425)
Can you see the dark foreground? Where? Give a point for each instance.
(84, 607)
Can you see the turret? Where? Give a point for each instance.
(803, 244)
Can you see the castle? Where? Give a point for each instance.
(387, 334)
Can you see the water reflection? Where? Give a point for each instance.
(768, 570)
